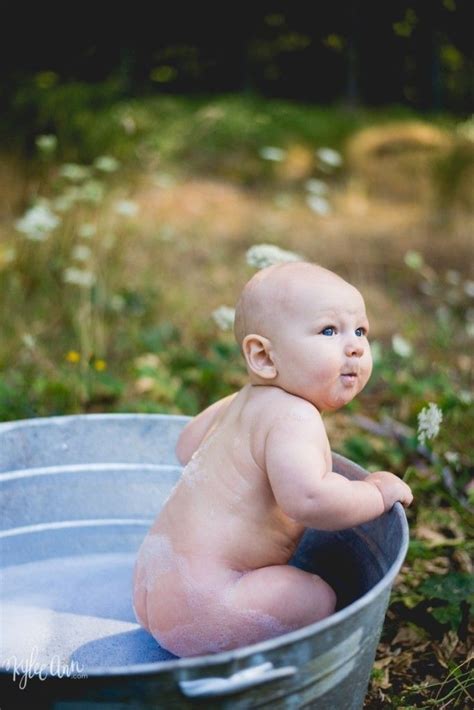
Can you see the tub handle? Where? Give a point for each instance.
(248, 678)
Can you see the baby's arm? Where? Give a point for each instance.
(195, 430)
(313, 496)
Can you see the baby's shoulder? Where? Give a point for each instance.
(285, 408)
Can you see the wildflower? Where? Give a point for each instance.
(127, 208)
(92, 191)
(317, 187)
(78, 277)
(262, 255)
(401, 346)
(469, 288)
(28, 340)
(87, 230)
(46, 143)
(100, 365)
(329, 157)
(429, 420)
(81, 252)
(106, 163)
(224, 317)
(319, 205)
(37, 223)
(271, 152)
(72, 356)
(414, 260)
(74, 172)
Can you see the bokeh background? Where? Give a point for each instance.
(144, 151)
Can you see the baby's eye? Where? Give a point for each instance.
(361, 332)
(328, 330)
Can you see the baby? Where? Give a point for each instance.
(212, 573)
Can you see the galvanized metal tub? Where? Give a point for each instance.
(78, 494)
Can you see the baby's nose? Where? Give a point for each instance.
(354, 347)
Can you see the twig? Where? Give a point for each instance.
(391, 429)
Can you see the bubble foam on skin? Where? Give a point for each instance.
(155, 556)
(216, 625)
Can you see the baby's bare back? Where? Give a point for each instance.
(223, 506)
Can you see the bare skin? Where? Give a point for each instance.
(212, 573)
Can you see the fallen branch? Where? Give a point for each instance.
(391, 429)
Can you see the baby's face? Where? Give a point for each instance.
(321, 350)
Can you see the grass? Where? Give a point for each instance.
(111, 309)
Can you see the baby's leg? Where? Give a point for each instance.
(293, 597)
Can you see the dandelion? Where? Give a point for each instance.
(100, 365)
(401, 346)
(72, 356)
(81, 252)
(414, 260)
(79, 277)
(127, 208)
(224, 317)
(262, 255)
(329, 157)
(106, 163)
(74, 172)
(316, 187)
(37, 223)
(429, 421)
(271, 152)
(46, 143)
(319, 205)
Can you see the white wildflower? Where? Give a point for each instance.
(329, 157)
(87, 230)
(46, 143)
(127, 208)
(401, 346)
(79, 277)
(81, 252)
(316, 187)
(92, 191)
(37, 223)
(414, 260)
(466, 129)
(262, 255)
(271, 152)
(28, 341)
(224, 317)
(106, 163)
(318, 204)
(429, 421)
(469, 288)
(451, 457)
(74, 172)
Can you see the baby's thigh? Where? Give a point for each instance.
(294, 597)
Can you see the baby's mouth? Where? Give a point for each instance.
(349, 377)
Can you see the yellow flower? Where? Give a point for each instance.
(100, 365)
(73, 356)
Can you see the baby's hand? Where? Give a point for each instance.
(391, 487)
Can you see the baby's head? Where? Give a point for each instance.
(303, 328)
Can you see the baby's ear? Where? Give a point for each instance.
(257, 353)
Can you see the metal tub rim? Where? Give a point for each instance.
(237, 654)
